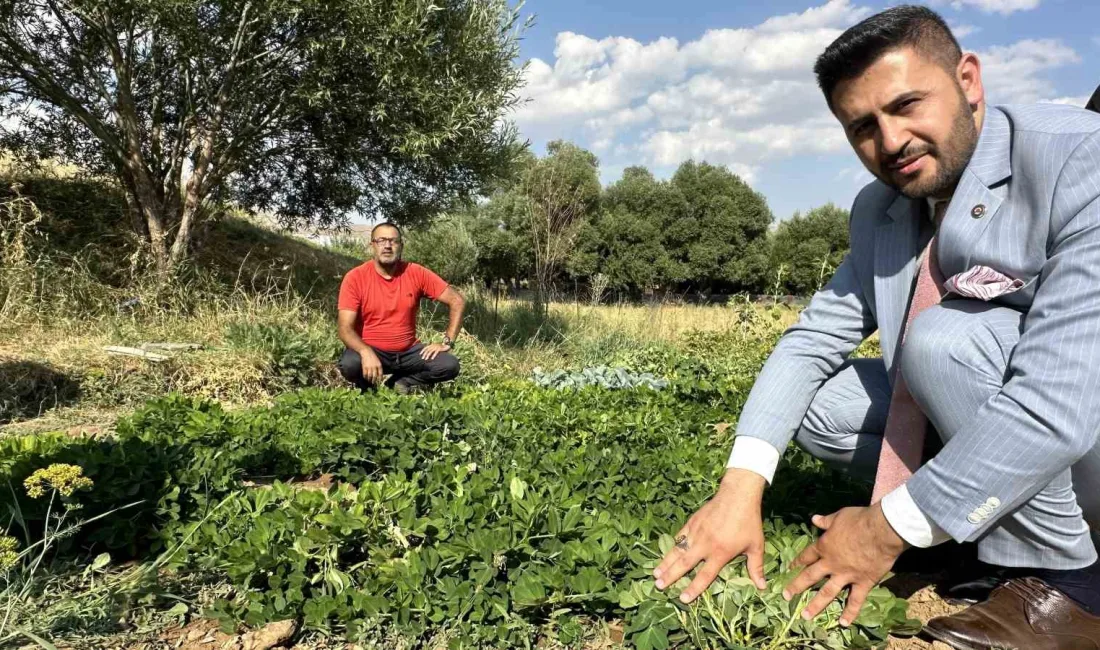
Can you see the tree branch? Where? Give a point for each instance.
(29, 67)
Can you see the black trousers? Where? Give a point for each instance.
(405, 367)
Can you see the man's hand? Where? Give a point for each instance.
(858, 548)
(728, 525)
(372, 367)
(429, 352)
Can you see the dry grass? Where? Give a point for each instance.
(504, 341)
(667, 321)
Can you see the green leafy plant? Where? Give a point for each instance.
(291, 354)
(489, 516)
(56, 485)
(602, 376)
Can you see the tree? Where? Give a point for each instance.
(502, 254)
(810, 247)
(447, 247)
(638, 210)
(719, 237)
(308, 108)
(561, 190)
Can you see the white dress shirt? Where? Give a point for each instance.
(901, 511)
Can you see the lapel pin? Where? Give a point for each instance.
(977, 211)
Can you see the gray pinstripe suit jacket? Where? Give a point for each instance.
(1036, 171)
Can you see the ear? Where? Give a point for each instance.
(969, 75)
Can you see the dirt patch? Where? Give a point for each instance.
(924, 604)
(199, 634)
(203, 634)
(320, 484)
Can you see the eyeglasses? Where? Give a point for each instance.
(386, 240)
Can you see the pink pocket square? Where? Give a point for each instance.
(982, 282)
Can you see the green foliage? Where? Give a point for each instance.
(633, 232)
(79, 259)
(721, 236)
(310, 109)
(602, 376)
(810, 247)
(290, 354)
(503, 253)
(447, 248)
(735, 614)
(705, 229)
(566, 176)
(490, 513)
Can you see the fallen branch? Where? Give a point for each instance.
(171, 346)
(136, 352)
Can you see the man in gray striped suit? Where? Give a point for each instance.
(1002, 362)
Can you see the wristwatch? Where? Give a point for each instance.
(447, 341)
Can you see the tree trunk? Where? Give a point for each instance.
(150, 221)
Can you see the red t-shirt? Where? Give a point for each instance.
(387, 307)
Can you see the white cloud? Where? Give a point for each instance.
(1003, 7)
(1068, 101)
(858, 176)
(742, 97)
(1015, 73)
(590, 75)
(831, 14)
(961, 31)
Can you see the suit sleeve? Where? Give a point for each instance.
(1045, 417)
(837, 320)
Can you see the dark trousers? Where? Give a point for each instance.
(405, 367)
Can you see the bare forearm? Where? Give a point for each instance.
(454, 325)
(352, 340)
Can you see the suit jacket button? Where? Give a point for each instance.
(974, 518)
(977, 211)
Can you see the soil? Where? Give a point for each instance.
(924, 604)
(202, 634)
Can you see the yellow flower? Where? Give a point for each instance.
(8, 554)
(66, 479)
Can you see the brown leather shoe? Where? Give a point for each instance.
(1025, 614)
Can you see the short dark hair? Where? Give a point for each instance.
(863, 43)
(384, 224)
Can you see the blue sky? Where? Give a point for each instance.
(657, 82)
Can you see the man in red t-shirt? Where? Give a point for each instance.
(377, 319)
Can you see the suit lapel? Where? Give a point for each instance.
(897, 244)
(979, 195)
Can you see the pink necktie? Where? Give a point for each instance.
(906, 424)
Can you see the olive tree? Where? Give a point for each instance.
(307, 108)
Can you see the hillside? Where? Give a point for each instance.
(85, 223)
(73, 283)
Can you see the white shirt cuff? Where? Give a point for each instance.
(754, 455)
(909, 522)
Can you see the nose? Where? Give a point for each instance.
(893, 138)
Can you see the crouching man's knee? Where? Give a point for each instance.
(955, 355)
(447, 367)
(351, 366)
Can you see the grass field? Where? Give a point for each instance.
(240, 485)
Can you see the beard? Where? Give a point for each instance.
(951, 158)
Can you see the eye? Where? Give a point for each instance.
(905, 104)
